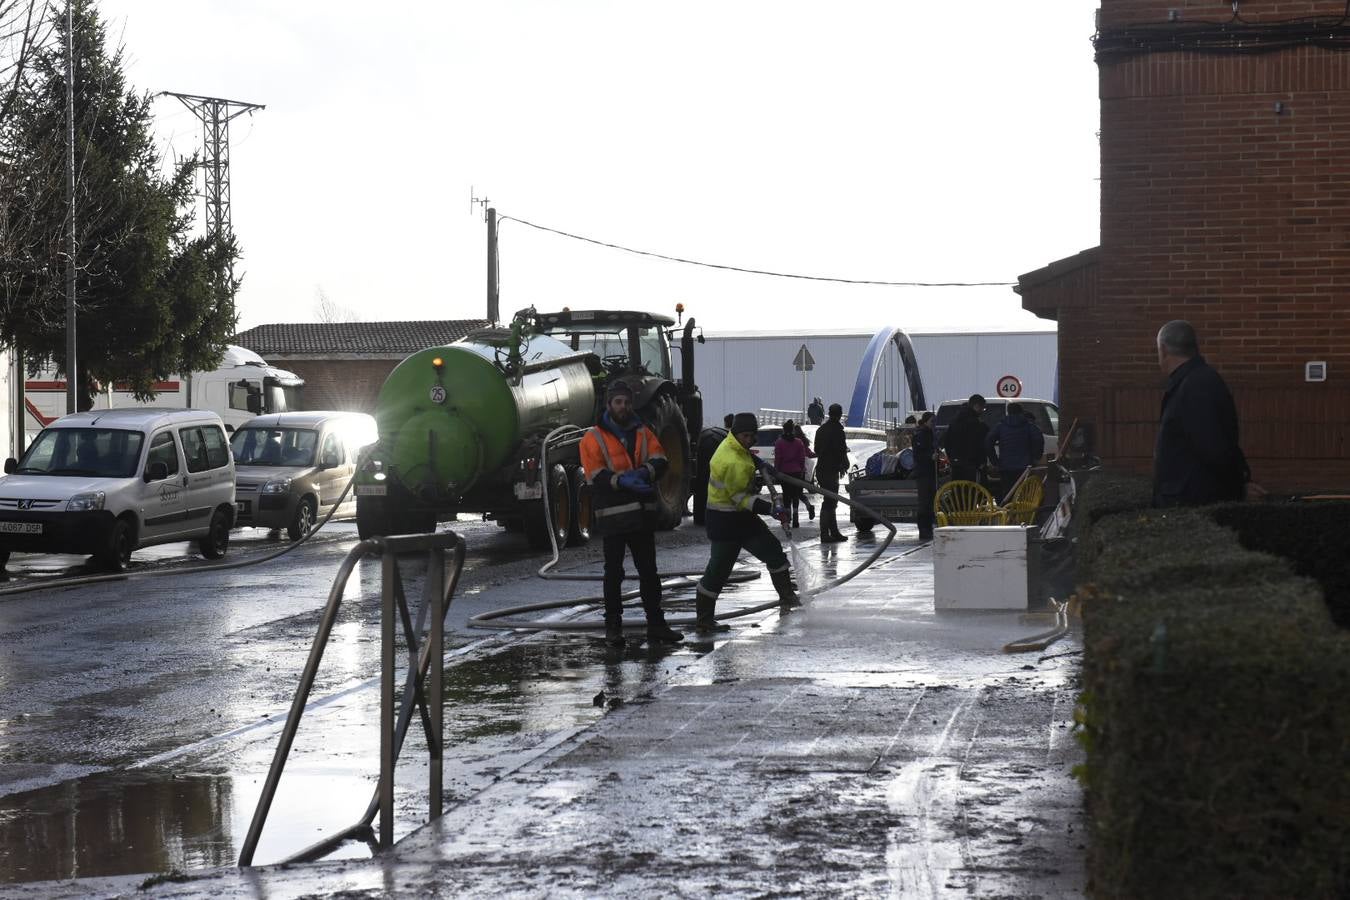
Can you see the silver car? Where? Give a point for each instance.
(292, 468)
(107, 481)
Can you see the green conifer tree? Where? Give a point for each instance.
(152, 299)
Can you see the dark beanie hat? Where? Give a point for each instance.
(975, 400)
(743, 422)
(617, 388)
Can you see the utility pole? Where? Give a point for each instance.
(71, 368)
(493, 313)
(489, 216)
(216, 113)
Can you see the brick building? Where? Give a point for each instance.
(1225, 180)
(344, 364)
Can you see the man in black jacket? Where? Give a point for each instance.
(925, 474)
(964, 441)
(1196, 458)
(831, 462)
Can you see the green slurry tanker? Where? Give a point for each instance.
(463, 427)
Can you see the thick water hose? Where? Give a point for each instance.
(1044, 639)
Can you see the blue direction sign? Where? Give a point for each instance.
(804, 361)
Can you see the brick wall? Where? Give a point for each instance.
(351, 385)
(1220, 209)
(1115, 13)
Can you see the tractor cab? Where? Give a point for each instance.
(627, 343)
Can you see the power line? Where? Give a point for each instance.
(708, 265)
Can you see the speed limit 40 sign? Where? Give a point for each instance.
(1008, 386)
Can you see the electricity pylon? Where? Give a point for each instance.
(216, 113)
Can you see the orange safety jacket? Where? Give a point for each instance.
(604, 458)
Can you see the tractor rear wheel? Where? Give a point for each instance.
(672, 491)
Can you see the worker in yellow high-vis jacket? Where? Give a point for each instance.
(734, 523)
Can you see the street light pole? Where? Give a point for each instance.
(71, 380)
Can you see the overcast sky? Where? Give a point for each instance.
(892, 141)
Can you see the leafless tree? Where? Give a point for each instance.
(329, 312)
(24, 25)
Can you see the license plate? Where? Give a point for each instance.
(21, 527)
(528, 491)
(372, 490)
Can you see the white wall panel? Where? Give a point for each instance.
(740, 372)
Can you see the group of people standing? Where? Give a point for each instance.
(972, 447)
(1197, 460)
(623, 460)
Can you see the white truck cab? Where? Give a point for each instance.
(105, 482)
(242, 386)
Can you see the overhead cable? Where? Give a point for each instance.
(708, 265)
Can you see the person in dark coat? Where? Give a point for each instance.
(831, 462)
(964, 441)
(1014, 444)
(709, 439)
(815, 412)
(925, 473)
(1196, 458)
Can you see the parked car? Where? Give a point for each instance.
(108, 481)
(291, 468)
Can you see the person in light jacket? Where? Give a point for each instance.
(734, 524)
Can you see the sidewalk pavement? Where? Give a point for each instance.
(861, 746)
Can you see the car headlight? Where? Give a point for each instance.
(277, 486)
(84, 502)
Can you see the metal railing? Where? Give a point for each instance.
(422, 687)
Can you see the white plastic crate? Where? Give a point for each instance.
(980, 567)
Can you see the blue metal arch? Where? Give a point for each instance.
(867, 373)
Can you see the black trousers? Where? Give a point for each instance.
(964, 471)
(927, 489)
(792, 495)
(642, 544)
(830, 482)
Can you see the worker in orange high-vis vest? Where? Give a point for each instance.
(623, 461)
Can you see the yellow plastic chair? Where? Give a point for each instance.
(1025, 501)
(966, 503)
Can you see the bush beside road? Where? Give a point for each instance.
(1214, 712)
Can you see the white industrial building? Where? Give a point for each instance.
(748, 371)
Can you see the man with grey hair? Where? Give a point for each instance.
(1196, 458)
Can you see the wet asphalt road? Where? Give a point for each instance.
(860, 747)
(155, 702)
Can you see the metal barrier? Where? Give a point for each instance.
(422, 687)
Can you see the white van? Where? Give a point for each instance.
(292, 468)
(107, 481)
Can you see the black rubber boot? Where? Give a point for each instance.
(614, 633)
(661, 633)
(787, 591)
(704, 609)
(657, 629)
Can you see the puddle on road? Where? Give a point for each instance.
(501, 710)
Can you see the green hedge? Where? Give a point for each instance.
(1216, 706)
(1313, 536)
